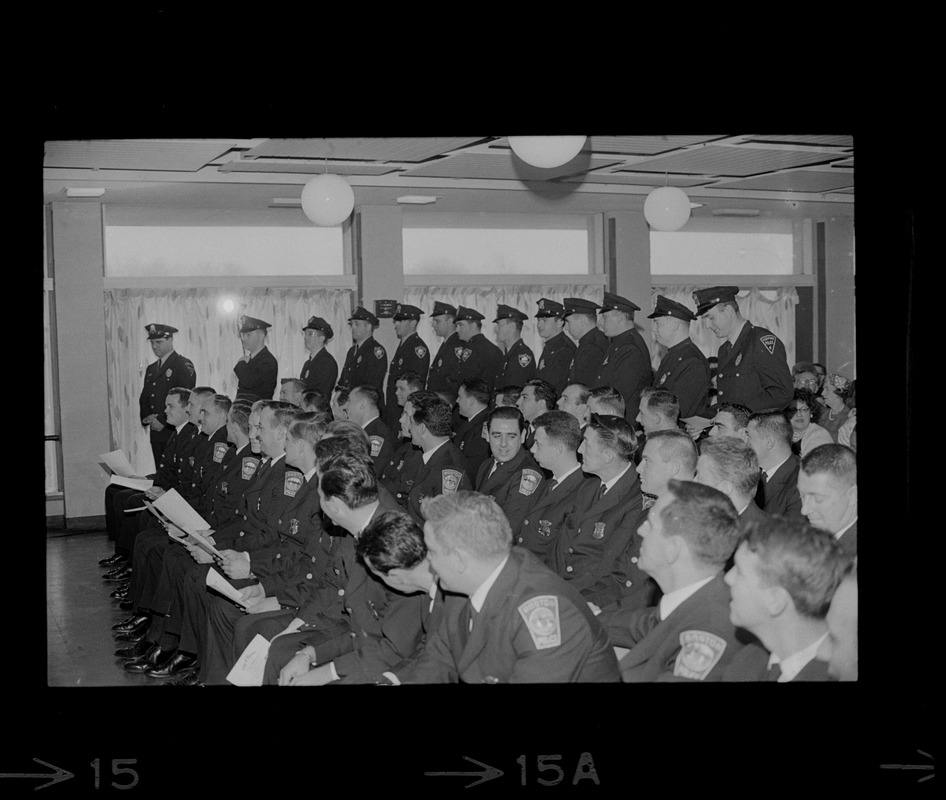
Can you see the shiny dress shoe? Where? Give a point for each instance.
(113, 560)
(132, 637)
(126, 603)
(135, 651)
(189, 678)
(174, 666)
(153, 658)
(121, 591)
(118, 574)
(131, 623)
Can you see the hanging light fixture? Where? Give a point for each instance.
(667, 208)
(327, 200)
(546, 151)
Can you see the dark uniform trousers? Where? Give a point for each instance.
(545, 515)
(412, 355)
(556, 361)
(626, 367)
(597, 549)
(684, 370)
(589, 354)
(365, 365)
(752, 661)
(320, 372)
(533, 627)
(518, 366)
(444, 368)
(176, 372)
(755, 371)
(512, 485)
(479, 358)
(381, 442)
(399, 474)
(444, 473)
(469, 440)
(695, 642)
(256, 378)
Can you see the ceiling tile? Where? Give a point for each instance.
(128, 154)
(501, 166)
(308, 167)
(627, 179)
(820, 141)
(797, 181)
(411, 150)
(730, 161)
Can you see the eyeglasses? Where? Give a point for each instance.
(798, 409)
(806, 381)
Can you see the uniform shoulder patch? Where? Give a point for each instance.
(529, 480)
(458, 352)
(249, 467)
(768, 342)
(376, 444)
(451, 480)
(189, 366)
(292, 483)
(699, 653)
(379, 352)
(220, 450)
(420, 352)
(524, 360)
(543, 621)
(465, 354)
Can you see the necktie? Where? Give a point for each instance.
(760, 491)
(601, 490)
(774, 672)
(495, 466)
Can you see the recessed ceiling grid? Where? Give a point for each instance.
(729, 161)
(795, 181)
(132, 155)
(308, 167)
(820, 141)
(500, 166)
(412, 150)
(624, 179)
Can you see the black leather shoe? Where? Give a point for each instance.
(135, 651)
(114, 560)
(189, 678)
(126, 603)
(132, 637)
(131, 623)
(118, 574)
(175, 666)
(153, 658)
(121, 591)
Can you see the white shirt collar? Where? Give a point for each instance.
(309, 474)
(843, 530)
(479, 596)
(376, 416)
(796, 662)
(772, 470)
(373, 507)
(179, 427)
(428, 454)
(670, 601)
(560, 478)
(276, 460)
(610, 484)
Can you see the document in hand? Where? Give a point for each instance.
(180, 512)
(216, 581)
(118, 463)
(250, 666)
(132, 483)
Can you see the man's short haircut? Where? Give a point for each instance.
(283, 413)
(740, 414)
(674, 445)
(239, 415)
(392, 541)
(221, 403)
(663, 402)
(369, 393)
(317, 401)
(183, 394)
(584, 393)
(733, 460)
(478, 389)
(832, 459)
(804, 560)
(420, 396)
(434, 412)
(258, 406)
(705, 518)
(341, 396)
(469, 520)
(308, 425)
(203, 391)
(297, 384)
(509, 394)
(610, 398)
(341, 436)
(615, 434)
(506, 412)
(774, 424)
(544, 391)
(411, 379)
(351, 479)
(560, 427)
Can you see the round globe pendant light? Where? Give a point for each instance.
(327, 200)
(667, 208)
(546, 151)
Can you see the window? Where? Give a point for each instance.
(765, 249)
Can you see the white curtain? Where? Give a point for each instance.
(209, 337)
(486, 300)
(770, 308)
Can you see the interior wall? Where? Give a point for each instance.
(838, 296)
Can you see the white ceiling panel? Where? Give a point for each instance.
(730, 161)
(130, 154)
(411, 150)
(307, 168)
(501, 166)
(819, 141)
(797, 181)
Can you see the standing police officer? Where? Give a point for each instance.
(626, 365)
(559, 350)
(367, 360)
(320, 370)
(518, 367)
(479, 357)
(412, 355)
(257, 369)
(170, 370)
(683, 370)
(579, 316)
(443, 374)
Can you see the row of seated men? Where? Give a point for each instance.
(594, 542)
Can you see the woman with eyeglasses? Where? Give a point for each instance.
(806, 434)
(837, 395)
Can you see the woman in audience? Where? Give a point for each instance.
(835, 393)
(849, 426)
(806, 434)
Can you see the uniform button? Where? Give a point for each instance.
(278, 555)
(341, 592)
(570, 550)
(634, 560)
(353, 635)
(241, 533)
(279, 523)
(519, 540)
(525, 522)
(737, 374)
(337, 573)
(313, 559)
(719, 374)
(719, 392)
(308, 576)
(569, 568)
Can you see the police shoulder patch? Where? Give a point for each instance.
(379, 352)
(376, 443)
(524, 360)
(458, 352)
(529, 480)
(466, 354)
(699, 653)
(292, 483)
(188, 365)
(220, 450)
(451, 480)
(420, 352)
(543, 621)
(249, 467)
(768, 342)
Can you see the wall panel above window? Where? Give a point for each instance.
(747, 247)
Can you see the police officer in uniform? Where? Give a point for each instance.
(479, 357)
(320, 370)
(257, 369)
(683, 370)
(753, 369)
(626, 364)
(579, 316)
(367, 361)
(518, 366)
(170, 370)
(443, 374)
(559, 350)
(412, 355)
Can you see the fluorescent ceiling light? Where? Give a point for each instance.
(74, 192)
(416, 199)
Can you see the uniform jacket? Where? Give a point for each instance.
(589, 354)
(755, 371)
(752, 661)
(208, 463)
(545, 515)
(365, 365)
(684, 370)
(177, 371)
(695, 643)
(400, 472)
(412, 355)
(479, 358)
(443, 474)
(780, 494)
(382, 444)
(236, 476)
(597, 548)
(626, 367)
(512, 485)
(556, 360)
(257, 377)
(848, 541)
(469, 439)
(320, 372)
(533, 628)
(517, 367)
(445, 366)
(176, 468)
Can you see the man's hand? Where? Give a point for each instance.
(147, 420)
(266, 604)
(317, 676)
(156, 426)
(154, 492)
(297, 665)
(236, 565)
(252, 594)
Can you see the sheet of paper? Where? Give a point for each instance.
(204, 545)
(216, 581)
(118, 463)
(249, 668)
(132, 483)
(180, 512)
